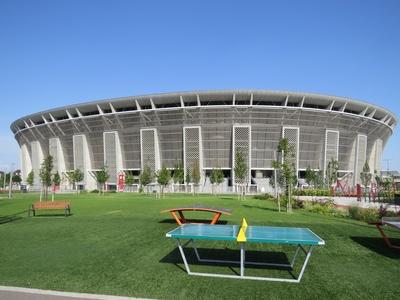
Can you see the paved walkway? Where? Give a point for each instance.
(350, 201)
(16, 293)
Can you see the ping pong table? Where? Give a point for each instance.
(303, 238)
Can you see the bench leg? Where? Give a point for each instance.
(216, 218)
(178, 221)
(385, 238)
(183, 220)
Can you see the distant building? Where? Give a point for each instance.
(125, 134)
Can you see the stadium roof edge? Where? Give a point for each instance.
(317, 99)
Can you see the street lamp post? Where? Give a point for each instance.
(10, 183)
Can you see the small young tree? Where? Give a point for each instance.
(219, 177)
(331, 172)
(216, 178)
(56, 180)
(241, 172)
(129, 180)
(74, 177)
(30, 179)
(101, 178)
(45, 174)
(187, 181)
(196, 176)
(310, 176)
(213, 179)
(16, 179)
(366, 177)
(287, 169)
(146, 177)
(179, 174)
(163, 178)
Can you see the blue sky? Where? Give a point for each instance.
(55, 53)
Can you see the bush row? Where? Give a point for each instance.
(312, 192)
(327, 207)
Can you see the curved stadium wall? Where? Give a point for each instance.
(125, 134)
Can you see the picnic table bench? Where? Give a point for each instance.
(390, 221)
(196, 207)
(50, 205)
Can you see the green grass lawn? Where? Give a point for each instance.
(116, 244)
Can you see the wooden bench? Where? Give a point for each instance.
(196, 207)
(50, 205)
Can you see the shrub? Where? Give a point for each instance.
(324, 207)
(365, 214)
(95, 191)
(264, 197)
(312, 192)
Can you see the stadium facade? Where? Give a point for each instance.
(125, 134)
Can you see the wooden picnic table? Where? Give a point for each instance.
(196, 207)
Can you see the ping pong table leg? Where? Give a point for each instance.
(303, 268)
(183, 256)
(242, 259)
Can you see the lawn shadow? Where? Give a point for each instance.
(174, 257)
(378, 245)
(51, 215)
(8, 219)
(262, 208)
(13, 217)
(205, 221)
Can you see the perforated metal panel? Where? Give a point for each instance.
(292, 135)
(110, 155)
(79, 160)
(331, 146)
(241, 142)
(192, 148)
(53, 151)
(378, 155)
(361, 157)
(26, 165)
(149, 149)
(37, 159)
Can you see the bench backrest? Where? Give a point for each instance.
(50, 205)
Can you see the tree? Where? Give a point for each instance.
(310, 176)
(331, 172)
(187, 180)
(101, 178)
(146, 177)
(216, 178)
(74, 177)
(196, 176)
(30, 178)
(129, 180)
(241, 172)
(287, 169)
(179, 174)
(45, 174)
(163, 178)
(16, 179)
(365, 177)
(56, 179)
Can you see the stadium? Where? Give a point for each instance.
(208, 127)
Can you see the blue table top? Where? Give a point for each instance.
(256, 234)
